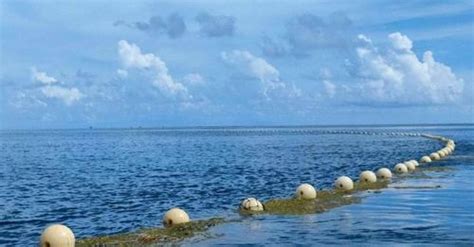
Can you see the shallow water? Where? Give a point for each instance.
(110, 181)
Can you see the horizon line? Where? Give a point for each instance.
(165, 127)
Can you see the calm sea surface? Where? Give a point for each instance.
(110, 181)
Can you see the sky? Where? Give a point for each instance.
(75, 64)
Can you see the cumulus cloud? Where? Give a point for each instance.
(173, 26)
(216, 25)
(42, 77)
(67, 95)
(131, 56)
(397, 76)
(260, 69)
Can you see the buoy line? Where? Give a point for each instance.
(58, 235)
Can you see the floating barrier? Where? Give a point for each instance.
(178, 225)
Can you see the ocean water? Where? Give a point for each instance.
(105, 181)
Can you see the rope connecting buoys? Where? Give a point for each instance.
(57, 236)
(305, 191)
(384, 173)
(344, 183)
(367, 177)
(175, 216)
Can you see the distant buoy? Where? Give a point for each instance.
(251, 204)
(425, 159)
(175, 216)
(441, 153)
(344, 183)
(305, 191)
(57, 236)
(367, 177)
(415, 162)
(434, 156)
(410, 165)
(401, 168)
(384, 173)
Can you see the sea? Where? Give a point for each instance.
(108, 181)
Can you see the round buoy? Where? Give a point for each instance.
(415, 162)
(401, 168)
(367, 177)
(384, 173)
(425, 159)
(344, 183)
(57, 236)
(305, 191)
(434, 156)
(251, 204)
(410, 165)
(175, 216)
(440, 153)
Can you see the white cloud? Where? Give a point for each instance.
(42, 77)
(122, 73)
(400, 42)
(194, 79)
(68, 95)
(258, 68)
(397, 76)
(132, 57)
(330, 88)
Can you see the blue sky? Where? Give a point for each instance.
(188, 63)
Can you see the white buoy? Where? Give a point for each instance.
(367, 177)
(415, 162)
(251, 204)
(305, 191)
(344, 183)
(425, 159)
(434, 156)
(57, 236)
(175, 216)
(401, 168)
(441, 153)
(384, 173)
(410, 165)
